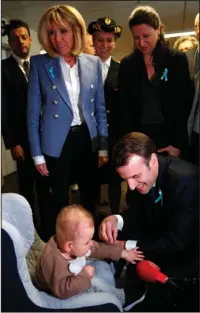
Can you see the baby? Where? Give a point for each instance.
(62, 269)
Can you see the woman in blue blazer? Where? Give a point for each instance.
(66, 108)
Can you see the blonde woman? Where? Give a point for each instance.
(66, 109)
(185, 43)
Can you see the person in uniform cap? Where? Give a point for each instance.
(105, 32)
(105, 24)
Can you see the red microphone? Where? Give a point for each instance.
(150, 272)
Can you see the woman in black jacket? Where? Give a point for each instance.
(155, 89)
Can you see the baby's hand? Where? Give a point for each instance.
(89, 269)
(132, 255)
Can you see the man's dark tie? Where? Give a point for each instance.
(26, 67)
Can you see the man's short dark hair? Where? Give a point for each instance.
(133, 143)
(13, 24)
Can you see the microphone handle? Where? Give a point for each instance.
(171, 282)
(175, 281)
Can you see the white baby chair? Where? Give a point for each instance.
(18, 292)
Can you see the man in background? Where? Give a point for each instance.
(14, 106)
(193, 55)
(193, 120)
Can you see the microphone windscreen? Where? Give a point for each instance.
(150, 272)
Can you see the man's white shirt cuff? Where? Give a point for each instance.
(130, 244)
(39, 160)
(120, 222)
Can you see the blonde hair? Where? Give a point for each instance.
(59, 14)
(196, 20)
(180, 40)
(69, 220)
(88, 49)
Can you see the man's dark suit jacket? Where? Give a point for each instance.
(176, 94)
(14, 104)
(167, 231)
(190, 56)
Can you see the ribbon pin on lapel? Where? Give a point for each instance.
(51, 72)
(164, 75)
(160, 197)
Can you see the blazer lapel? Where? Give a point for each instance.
(84, 78)
(54, 72)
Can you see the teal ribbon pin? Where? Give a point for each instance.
(51, 72)
(160, 197)
(164, 75)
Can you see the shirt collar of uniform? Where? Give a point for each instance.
(19, 60)
(107, 62)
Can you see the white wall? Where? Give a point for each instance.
(35, 47)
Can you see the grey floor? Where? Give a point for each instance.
(11, 185)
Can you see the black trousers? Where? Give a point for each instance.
(33, 186)
(76, 155)
(107, 174)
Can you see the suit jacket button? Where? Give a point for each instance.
(108, 111)
(108, 125)
(92, 114)
(53, 86)
(92, 100)
(55, 102)
(55, 116)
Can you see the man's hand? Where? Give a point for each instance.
(89, 269)
(108, 229)
(17, 153)
(171, 151)
(42, 169)
(102, 160)
(132, 255)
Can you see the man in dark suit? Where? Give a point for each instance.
(14, 107)
(105, 32)
(163, 216)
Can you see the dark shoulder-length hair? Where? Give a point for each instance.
(146, 15)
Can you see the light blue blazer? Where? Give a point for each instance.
(49, 114)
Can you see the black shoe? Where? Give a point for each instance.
(133, 296)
